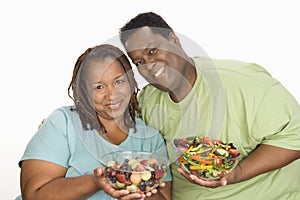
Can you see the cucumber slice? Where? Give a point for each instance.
(222, 152)
(197, 148)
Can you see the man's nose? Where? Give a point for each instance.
(149, 63)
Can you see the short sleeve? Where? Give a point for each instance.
(277, 121)
(50, 142)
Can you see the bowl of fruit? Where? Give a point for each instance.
(206, 158)
(135, 171)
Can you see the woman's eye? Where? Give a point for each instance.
(99, 87)
(118, 82)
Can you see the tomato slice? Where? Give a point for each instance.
(218, 161)
(234, 152)
(206, 140)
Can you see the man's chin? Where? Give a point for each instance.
(161, 87)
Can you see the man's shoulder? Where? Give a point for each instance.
(233, 69)
(149, 92)
(228, 64)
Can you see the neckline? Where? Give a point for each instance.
(192, 92)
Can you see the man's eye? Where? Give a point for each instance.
(152, 51)
(138, 63)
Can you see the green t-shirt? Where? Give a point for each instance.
(236, 102)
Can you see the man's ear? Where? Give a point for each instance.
(174, 37)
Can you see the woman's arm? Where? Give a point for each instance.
(45, 180)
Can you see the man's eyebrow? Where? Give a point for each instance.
(144, 49)
(149, 46)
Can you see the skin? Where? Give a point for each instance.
(110, 93)
(162, 62)
(162, 193)
(265, 158)
(151, 52)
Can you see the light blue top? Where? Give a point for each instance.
(62, 140)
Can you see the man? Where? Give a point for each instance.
(230, 100)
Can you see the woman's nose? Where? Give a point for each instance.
(110, 93)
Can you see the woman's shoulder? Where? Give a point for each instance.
(63, 110)
(60, 115)
(140, 122)
(142, 127)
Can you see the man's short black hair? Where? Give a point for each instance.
(155, 22)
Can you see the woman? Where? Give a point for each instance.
(59, 161)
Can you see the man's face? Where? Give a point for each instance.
(161, 61)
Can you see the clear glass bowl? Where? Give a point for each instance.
(206, 158)
(135, 171)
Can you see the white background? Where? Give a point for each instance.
(41, 40)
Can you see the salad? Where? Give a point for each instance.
(205, 157)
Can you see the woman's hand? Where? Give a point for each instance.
(103, 184)
(163, 192)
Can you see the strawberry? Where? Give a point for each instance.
(140, 168)
(158, 174)
(143, 162)
(121, 178)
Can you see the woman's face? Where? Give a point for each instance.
(109, 89)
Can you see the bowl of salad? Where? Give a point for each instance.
(206, 158)
(134, 171)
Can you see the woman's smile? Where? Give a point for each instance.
(114, 105)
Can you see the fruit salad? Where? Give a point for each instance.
(135, 174)
(205, 157)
